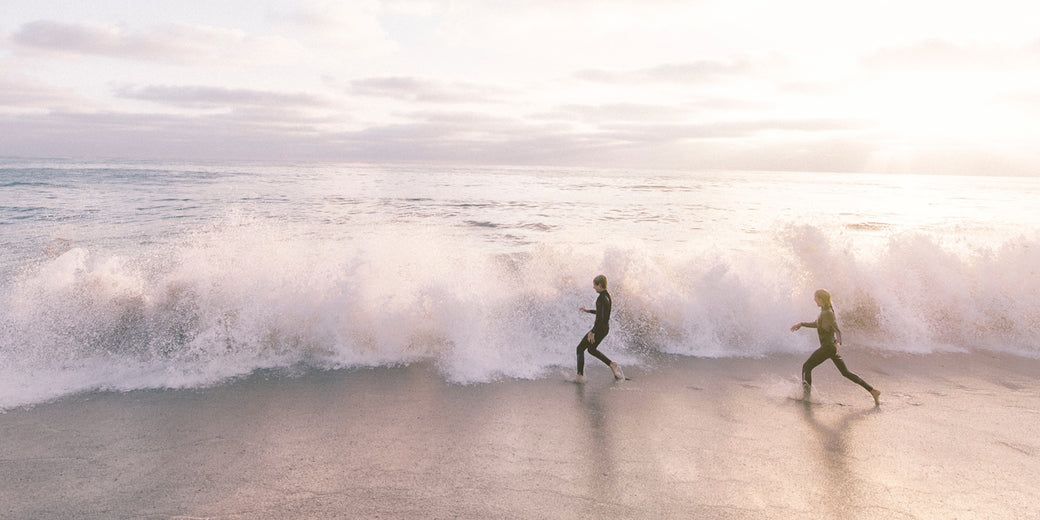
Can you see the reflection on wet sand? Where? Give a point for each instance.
(599, 448)
(836, 456)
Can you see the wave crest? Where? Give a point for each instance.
(229, 302)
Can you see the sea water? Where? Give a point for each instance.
(130, 275)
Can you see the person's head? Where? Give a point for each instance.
(823, 298)
(600, 283)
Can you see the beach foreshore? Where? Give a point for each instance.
(956, 436)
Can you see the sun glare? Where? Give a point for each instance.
(925, 107)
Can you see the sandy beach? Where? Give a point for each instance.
(956, 436)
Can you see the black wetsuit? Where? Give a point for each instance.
(827, 326)
(599, 329)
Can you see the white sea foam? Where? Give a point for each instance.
(123, 276)
(231, 300)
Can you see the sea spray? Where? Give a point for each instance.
(122, 276)
(915, 295)
(231, 301)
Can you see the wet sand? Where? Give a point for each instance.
(956, 436)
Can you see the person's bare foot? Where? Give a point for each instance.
(875, 393)
(617, 371)
(580, 379)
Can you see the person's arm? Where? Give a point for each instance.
(809, 324)
(592, 335)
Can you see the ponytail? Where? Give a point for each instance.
(825, 299)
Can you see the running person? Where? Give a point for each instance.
(830, 340)
(599, 331)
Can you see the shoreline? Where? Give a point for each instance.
(956, 435)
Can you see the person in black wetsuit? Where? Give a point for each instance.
(599, 331)
(830, 340)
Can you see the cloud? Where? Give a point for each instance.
(27, 94)
(939, 54)
(811, 88)
(658, 132)
(214, 97)
(171, 43)
(163, 136)
(419, 8)
(75, 38)
(618, 112)
(700, 107)
(426, 90)
(178, 44)
(641, 146)
(562, 36)
(820, 153)
(468, 139)
(462, 137)
(1022, 100)
(693, 72)
(474, 138)
(331, 24)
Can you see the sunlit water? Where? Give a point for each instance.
(139, 275)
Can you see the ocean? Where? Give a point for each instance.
(132, 275)
(257, 341)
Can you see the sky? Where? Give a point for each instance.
(901, 86)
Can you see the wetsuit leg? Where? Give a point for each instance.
(591, 347)
(594, 350)
(581, 355)
(819, 356)
(840, 363)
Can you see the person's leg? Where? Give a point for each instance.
(584, 344)
(819, 356)
(840, 363)
(594, 350)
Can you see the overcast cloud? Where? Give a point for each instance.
(805, 85)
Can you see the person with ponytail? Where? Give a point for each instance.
(826, 326)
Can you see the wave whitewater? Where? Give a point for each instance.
(226, 303)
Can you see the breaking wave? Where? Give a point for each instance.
(227, 302)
